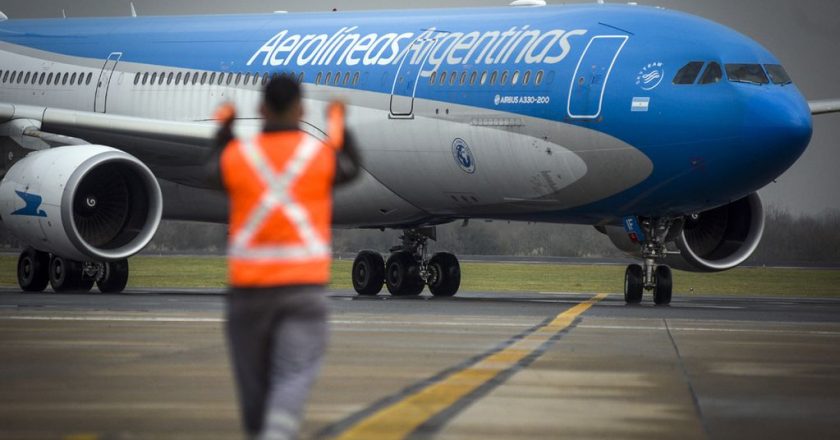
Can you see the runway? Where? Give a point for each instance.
(152, 364)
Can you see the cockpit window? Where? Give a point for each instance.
(746, 73)
(712, 75)
(688, 73)
(777, 74)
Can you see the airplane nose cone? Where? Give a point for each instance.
(780, 125)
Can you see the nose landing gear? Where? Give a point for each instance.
(650, 276)
(408, 270)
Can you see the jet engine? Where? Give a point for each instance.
(711, 241)
(87, 203)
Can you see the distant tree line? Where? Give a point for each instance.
(788, 239)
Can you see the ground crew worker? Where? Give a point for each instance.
(280, 187)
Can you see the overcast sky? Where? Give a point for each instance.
(804, 34)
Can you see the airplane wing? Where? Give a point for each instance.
(824, 106)
(172, 150)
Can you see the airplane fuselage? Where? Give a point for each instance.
(556, 114)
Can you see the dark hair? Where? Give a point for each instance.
(281, 92)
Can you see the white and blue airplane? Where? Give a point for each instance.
(656, 127)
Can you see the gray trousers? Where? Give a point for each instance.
(277, 338)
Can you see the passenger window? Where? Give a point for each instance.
(2, 78)
(432, 78)
(162, 78)
(49, 78)
(712, 75)
(337, 80)
(347, 79)
(515, 78)
(255, 79)
(746, 73)
(136, 78)
(443, 78)
(538, 78)
(40, 79)
(318, 79)
(64, 78)
(265, 79)
(483, 78)
(688, 73)
(503, 80)
(493, 77)
(26, 79)
(153, 79)
(302, 77)
(463, 78)
(73, 78)
(6, 76)
(221, 78)
(195, 78)
(473, 78)
(212, 80)
(526, 78)
(356, 77)
(778, 74)
(327, 78)
(145, 78)
(57, 80)
(453, 76)
(169, 78)
(204, 78)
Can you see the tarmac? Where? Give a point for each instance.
(153, 364)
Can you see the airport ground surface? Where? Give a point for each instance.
(152, 364)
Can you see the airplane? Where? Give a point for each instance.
(654, 126)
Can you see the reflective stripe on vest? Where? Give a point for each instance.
(277, 194)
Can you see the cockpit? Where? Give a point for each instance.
(756, 74)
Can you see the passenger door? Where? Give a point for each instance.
(101, 101)
(586, 93)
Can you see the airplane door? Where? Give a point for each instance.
(408, 76)
(586, 93)
(104, 80)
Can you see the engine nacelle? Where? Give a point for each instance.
(712, 241)
(88, 202)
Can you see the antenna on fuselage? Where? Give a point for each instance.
(528, 3)
(63, 14)
(133, 11)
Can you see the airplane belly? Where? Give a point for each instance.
(481, 166)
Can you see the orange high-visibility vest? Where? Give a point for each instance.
(280, 189)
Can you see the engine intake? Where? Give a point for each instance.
(722, 238)
(82, 202)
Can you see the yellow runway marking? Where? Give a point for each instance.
(401, 418)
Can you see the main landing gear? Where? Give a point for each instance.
(408, 270)
(36, 269)
(650, 276)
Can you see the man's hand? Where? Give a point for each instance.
(225, 115)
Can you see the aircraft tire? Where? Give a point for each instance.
(115, 278)
(402, 275)
(368, 273)
(446, 275)
(66, 276)
(33, 270)
(633, 284)
(664, 286)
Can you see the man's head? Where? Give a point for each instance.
(282, 101)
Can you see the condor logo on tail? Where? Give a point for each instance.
(33, 202)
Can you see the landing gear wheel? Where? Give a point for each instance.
(115, 277)
(402, 275)
(445, 276)
(33, 270)
(368, 273)
(633, 284)
(664, 286)
(66, 276)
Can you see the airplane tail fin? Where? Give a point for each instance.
(3, 17)
(824, 106)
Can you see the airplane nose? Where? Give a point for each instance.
(780, 125)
